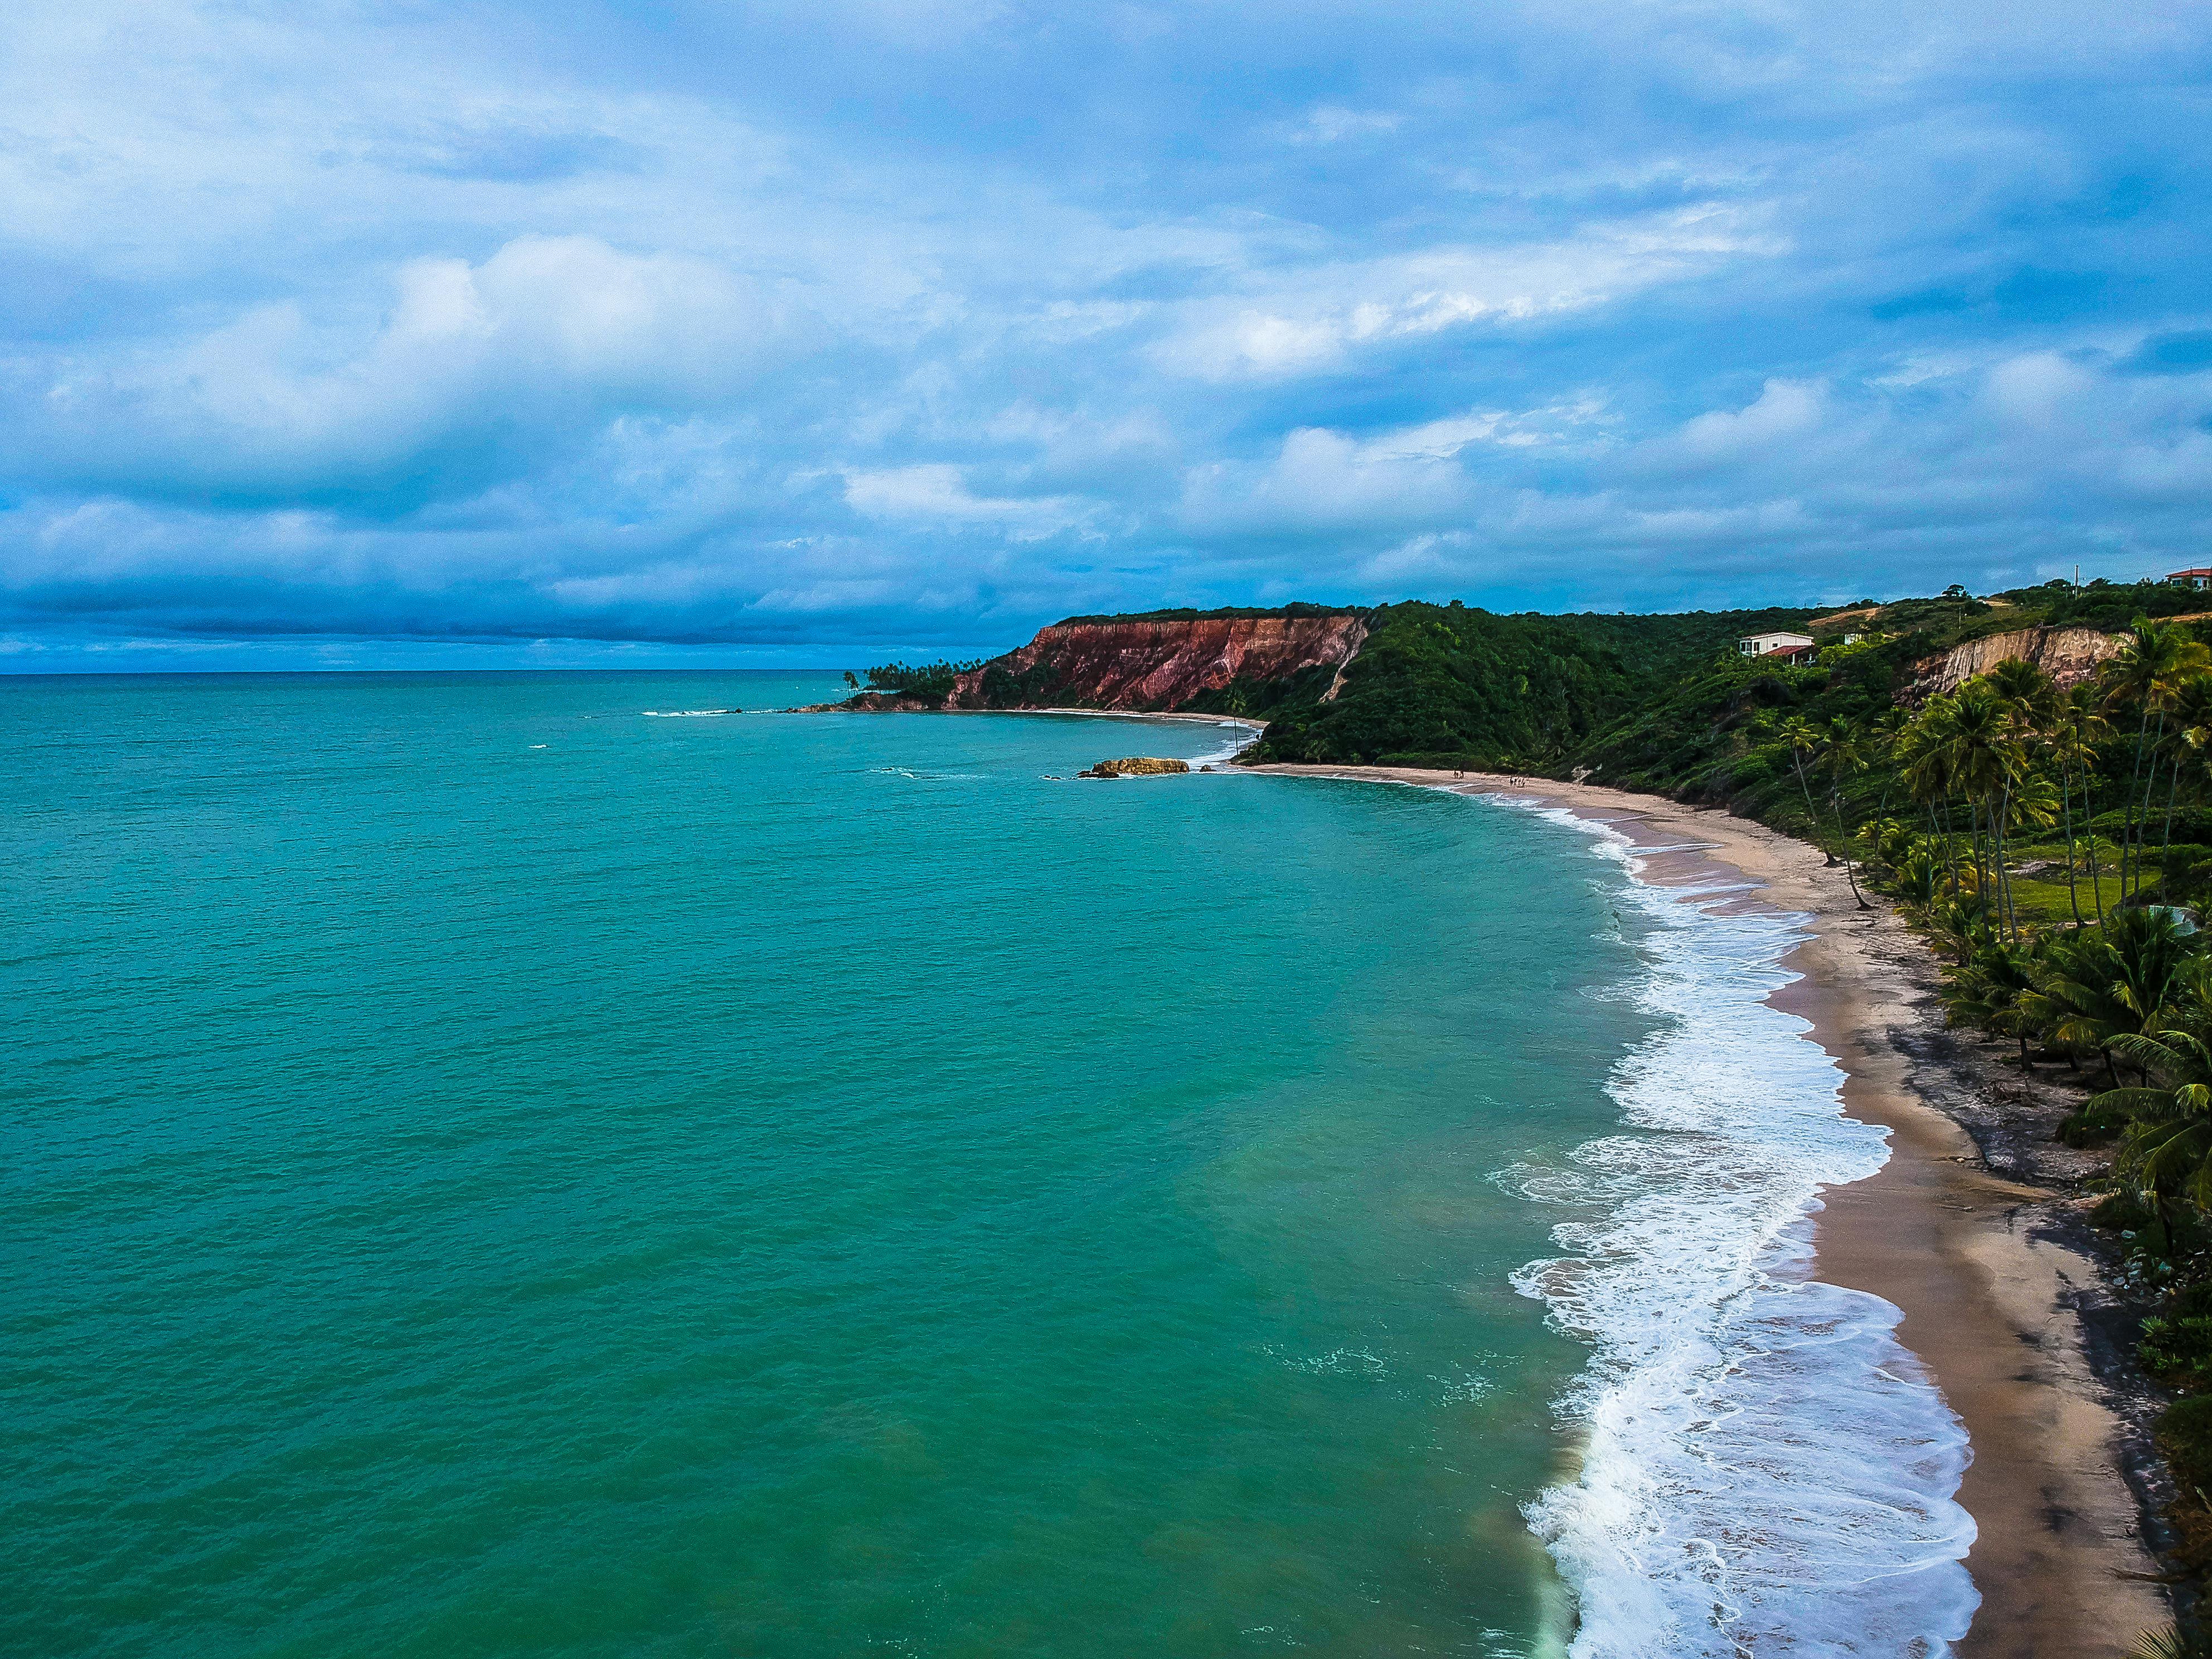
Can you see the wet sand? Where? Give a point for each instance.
(1999, 1301)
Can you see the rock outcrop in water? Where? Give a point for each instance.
(1160, 663)
(1137, 766)
(872, 703)
(2069, 655)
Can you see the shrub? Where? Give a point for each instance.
(2178, 1349)
(2121, 1213)
(2090, 1127)
(2185, 1434)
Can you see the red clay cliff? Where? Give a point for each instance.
(1158, 665)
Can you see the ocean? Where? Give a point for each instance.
(585, 1165)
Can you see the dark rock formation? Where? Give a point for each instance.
(1137, 766)
(872, 703)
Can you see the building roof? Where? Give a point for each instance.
(2176, 575)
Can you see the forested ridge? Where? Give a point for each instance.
(2050, 837)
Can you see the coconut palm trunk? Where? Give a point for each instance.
(2066, 814)
(1835, 804)
(2004, 876)
(2149, 794)
(2135, 778)
(2165, 838)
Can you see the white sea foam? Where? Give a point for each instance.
(1242, 736)
(1767, 1471)
(687, 714)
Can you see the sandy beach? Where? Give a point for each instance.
(1973, 1229)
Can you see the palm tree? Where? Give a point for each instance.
(1804, 738)
(1964, 922)
(2191, 714)
(2072, 1001)
(1919, 879)
(2149, 950)
(1988, 990)
(2167, 1149)
(1924, 750)
(2152, 663)
(2029, 698)
(1983, 757)
(2073, 745)
(2031, 694)
(2096, 986)
(1849, 750)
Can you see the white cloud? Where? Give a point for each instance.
(1327, 124)
(546, 325)
(1784, 410)
(407, 315)
(938, 494)
(1325, 318)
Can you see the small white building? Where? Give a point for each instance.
(1789, 646)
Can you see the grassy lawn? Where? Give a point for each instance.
(2041, 900)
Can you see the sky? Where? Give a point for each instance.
(442, 335)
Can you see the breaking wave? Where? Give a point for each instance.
(1766, 1469)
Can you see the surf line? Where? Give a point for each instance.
(1765, 1467)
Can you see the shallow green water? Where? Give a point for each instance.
(491, 1171)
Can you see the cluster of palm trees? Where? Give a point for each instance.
(2121, 985)
(2009, 751)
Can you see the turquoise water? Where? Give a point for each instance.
(493, 1172)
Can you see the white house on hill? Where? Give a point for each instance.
(1790, 647)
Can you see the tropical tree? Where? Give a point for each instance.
(1850, 749)
(1964, 921)
(2166, 1150)
(2191, 719)
(2080, 730)
(1919, 879)
(2029, 698)
(1988, 989)
(1923, 752)
(2094, 985)
(1804, 740)
(1983, 758)
(2153, 664)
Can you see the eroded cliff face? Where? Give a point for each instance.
(2069, 655)
(1158, 665)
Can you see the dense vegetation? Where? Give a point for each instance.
(1446, 685)
(1653, 701)
(931, 682)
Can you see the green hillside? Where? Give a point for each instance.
(1659, 702)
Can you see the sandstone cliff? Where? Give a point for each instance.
(1158, 664)
(2069, 655)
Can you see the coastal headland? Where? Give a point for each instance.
(1971, 1228)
